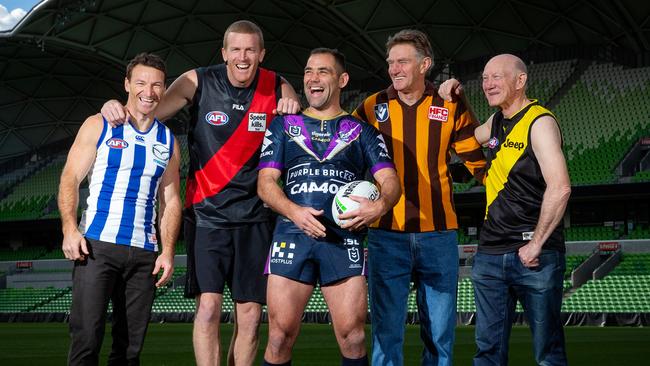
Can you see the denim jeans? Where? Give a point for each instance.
(430, 259)
(499, 280)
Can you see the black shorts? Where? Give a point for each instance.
(217, 257)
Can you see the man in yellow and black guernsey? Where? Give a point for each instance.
(521, 246)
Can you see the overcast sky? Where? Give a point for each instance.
(11, 11)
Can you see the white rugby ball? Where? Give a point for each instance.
(342, 202)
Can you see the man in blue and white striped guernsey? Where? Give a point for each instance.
(115, 246)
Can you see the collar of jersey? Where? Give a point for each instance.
(343, 113)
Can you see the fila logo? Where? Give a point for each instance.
(238, 107)
(438, 113)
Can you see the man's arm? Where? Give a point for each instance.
(289, 103)
(271, 193)
(177, 96)
(80, 158)
(482, 132)
(370, 211)
(170, 216)
(547, 146)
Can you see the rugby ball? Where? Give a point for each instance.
(342, 202)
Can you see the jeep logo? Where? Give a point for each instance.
(514, 144)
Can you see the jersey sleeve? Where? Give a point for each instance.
(374, 149)
(464, 143)
(272, 152)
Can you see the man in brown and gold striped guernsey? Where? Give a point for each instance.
(417, 238)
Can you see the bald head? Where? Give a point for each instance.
(508, 62)
(504, 80)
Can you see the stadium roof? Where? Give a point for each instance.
(67, 56)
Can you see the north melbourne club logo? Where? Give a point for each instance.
(381, 112)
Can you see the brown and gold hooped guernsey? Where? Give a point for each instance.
(514, 185)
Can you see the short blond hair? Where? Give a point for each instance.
(245, 27)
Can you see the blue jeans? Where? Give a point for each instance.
(499, 280)
(430, 259)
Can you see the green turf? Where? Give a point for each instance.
(170, 344)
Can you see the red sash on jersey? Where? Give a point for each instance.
(237, 150)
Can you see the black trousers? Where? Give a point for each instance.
(123, 275)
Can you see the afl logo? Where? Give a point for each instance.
(216, 118)
(115, 143)
(494, 142)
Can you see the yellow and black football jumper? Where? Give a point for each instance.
(419, 138)
(514, 185)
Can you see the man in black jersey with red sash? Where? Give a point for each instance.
(227, 227)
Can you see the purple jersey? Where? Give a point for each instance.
(317, 157)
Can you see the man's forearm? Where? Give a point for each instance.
(554, 204)
(271, 193)
(170, 223)
(68, 201)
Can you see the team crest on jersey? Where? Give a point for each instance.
(494, 142)
(294, 131)
(161, 154)
(349, 130)
(438, 113)
(216, 118)
(257, 122)
(354, 255)
(381, 112)
(115, 143)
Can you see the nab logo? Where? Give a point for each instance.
(438, 113)
(115, 143)
(216, 118)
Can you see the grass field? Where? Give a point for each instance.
(170, 344)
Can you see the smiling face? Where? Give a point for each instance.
(503, 81)
(406, 68)
(242, 53)
(146, 87)
(322, 82)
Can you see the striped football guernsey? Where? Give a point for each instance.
(419, 138)
(226, 130)
(514, 185)
(123, 185)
